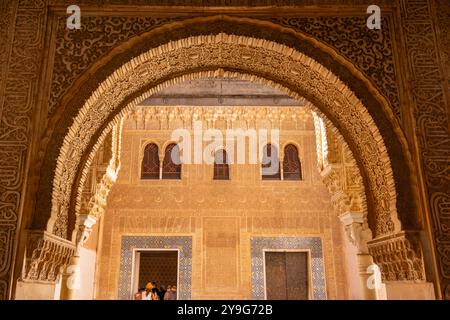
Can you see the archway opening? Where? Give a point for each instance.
(247, 226)
(237, 57)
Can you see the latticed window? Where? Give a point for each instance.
(292, 168)
(172, 162)
(221, 167)
(150, 162)
(270, 163)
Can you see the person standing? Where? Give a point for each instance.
(140, 294)
(162, 292)
(159, 291)
(154, 294)
(174, 293)
(146, 295)
(168, 293)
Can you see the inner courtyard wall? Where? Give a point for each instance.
(221, 216)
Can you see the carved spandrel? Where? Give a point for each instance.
(77, 51)
(371, 51)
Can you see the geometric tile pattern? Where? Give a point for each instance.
(313, 244)
(182, 243)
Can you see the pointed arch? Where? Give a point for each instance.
(292, 167)
(150, 166)
(270, 164)
(224, 55)
(172, 162)
(221, 165)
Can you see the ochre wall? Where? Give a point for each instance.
(221, 216)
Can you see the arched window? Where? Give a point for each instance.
(172, 163)
(292, 168)
(150, 162)
(221, 168)
(270, 163)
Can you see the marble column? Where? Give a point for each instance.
(369, 274)
(70, 282)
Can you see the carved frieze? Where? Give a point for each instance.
(46, 256)
(399, 257)
(218, 3)
(143, 116)
(431, 110)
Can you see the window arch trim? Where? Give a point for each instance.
(292, 164)
(152, 172)
(170, 170)
(221, 171)
(277, 175)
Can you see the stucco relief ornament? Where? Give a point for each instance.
(355, 200)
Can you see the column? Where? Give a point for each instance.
(369, 274)
(71, 276)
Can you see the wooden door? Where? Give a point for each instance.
(287, 275)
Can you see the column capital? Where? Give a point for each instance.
(357, 230)
(87, 220)
(83, 230)
(349, 217)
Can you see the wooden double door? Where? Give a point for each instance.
(287, 275)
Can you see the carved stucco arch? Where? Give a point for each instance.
(165, 145)
(144, 144)
(295, 144)
(340, 155)
(142, 147)
(81, 89)
(342, 177)
(232, 56)
(323, 52)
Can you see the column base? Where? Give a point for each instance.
(70, 279)
(371, 286)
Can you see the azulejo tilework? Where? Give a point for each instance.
(182, 243)
(313, 244)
